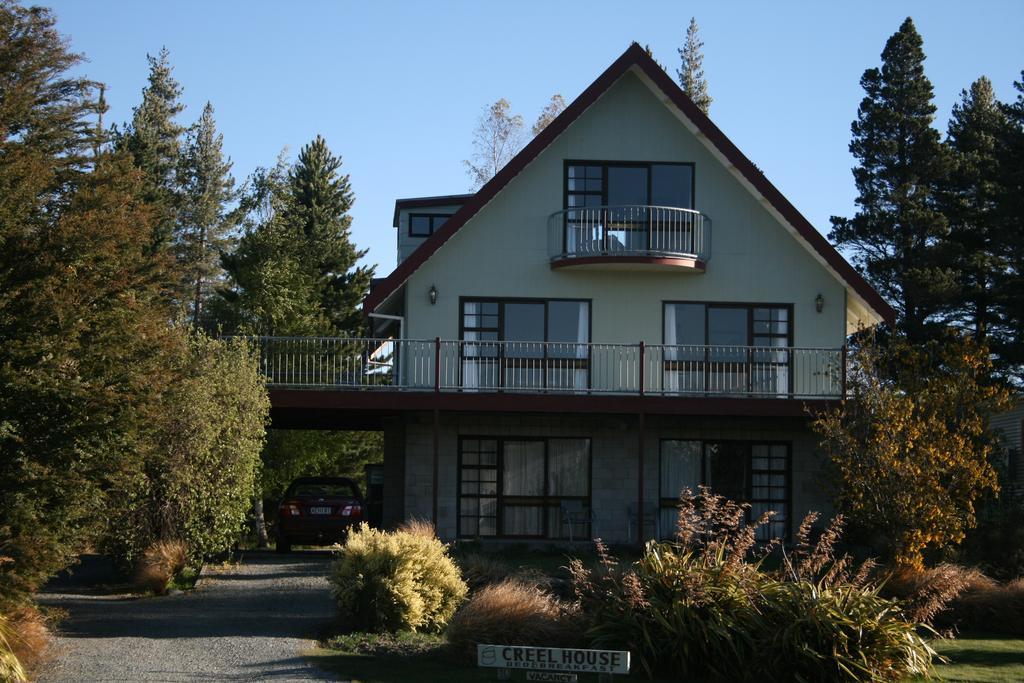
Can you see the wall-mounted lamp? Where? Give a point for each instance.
(433, 296)
(819, 303)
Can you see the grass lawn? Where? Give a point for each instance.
(981, 659)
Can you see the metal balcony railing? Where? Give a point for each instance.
(632, 230)
(552, 367)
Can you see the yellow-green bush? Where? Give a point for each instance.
(396, 581)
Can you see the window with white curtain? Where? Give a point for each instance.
(727, 348)
(515, 487)
(679, 470)
(545, 344)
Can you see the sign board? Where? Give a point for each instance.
(552, 659)
(555, 676)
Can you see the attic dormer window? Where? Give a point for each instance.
(426, 224)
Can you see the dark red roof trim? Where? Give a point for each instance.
(423, 202)
(634, 55)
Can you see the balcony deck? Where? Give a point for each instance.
(632, 237)
(375, 375)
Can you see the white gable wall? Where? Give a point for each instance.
(503, 250)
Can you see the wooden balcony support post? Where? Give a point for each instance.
(640, 478)
(642, 367)
(437, 432)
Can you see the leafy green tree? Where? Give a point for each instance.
(153, 138)
(197, 484)
(691, 68)
(969, 200)
(894, 237)
(207, 219)
(910, 448)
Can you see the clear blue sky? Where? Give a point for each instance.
(396, 87)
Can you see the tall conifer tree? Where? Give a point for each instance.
(895, 233)
(318, 206)
(206, 219)
(691, 68)
(154, 140)
(1009, 285)
(969, 200)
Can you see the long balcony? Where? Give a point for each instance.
(533, 368)
(629, 237)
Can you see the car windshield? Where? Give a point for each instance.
(324, 490)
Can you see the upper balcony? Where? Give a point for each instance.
(629, 237)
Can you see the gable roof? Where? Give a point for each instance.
(636, 57)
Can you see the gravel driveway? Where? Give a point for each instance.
(251, 622)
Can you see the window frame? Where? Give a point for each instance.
(432, 217)
(547, 500)
(504, 360)
(605, 163)
(749, 306)
(671, 503)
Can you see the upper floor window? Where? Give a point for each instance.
(426, 224)
(590, 183)
(728, 348)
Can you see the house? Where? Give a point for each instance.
(626, 309)
(1009, 430)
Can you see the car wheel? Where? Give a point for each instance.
(283, 545)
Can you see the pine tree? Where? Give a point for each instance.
(548, 114)
(691, 70)
(206, 219)
(894, 235)
(154, 140)
(1009, 285)
(969, 200)
(320, 200)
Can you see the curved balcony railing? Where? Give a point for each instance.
(631, 230)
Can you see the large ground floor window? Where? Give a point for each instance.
(524, 487)
(746, 471)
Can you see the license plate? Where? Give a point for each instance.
(319, 510)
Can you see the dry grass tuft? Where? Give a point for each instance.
(418, 527)
(927, 592)
(161, 562)
(986, 605)
(31, 641)
(513, 613)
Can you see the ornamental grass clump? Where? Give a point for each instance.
(402, 580)
(706, 606)
(513, 612)
(10, 667)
